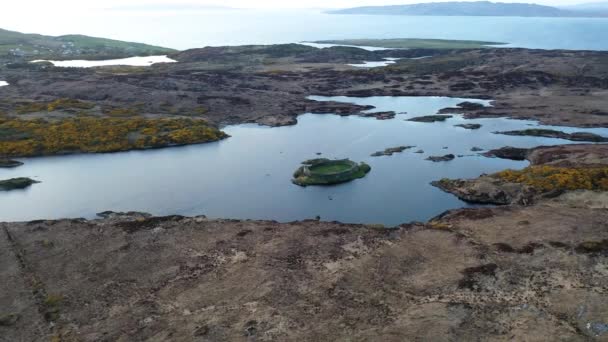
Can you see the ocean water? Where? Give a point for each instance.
(183, 29)
(248, 175)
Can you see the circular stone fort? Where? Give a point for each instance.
(324, 171)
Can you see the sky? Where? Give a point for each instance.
(10, 7)
(159, 21)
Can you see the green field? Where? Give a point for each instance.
(330, 168)
(413, 43)
(38, 46)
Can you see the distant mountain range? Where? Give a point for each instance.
(476, 8)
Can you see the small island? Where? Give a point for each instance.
(9, 163)
(430, 118)
(437, 159)
(322, 171)
(549, 133)
(16, 183)
(469, 126)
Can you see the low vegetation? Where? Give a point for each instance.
(549, 178)
(51, 307)
(24, 138)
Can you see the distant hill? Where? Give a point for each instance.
(21, 45)
(477, 8)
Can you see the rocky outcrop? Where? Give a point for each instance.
(487, 190)
(391, 150)
(554, 170)
(339, 108)
(430, 118)
(8, 163)
(508, 152)
(380, 115)
(467, 105)
(446, 157)
(16, 183)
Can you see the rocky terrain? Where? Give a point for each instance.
(270, 84)
(515, 272)
(554, 170)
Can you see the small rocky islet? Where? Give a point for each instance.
(430, 118)
(323, 171)
(549, 133)
(16, 183)
(9, 163)
(469, 126)
(437, 159)
(391, 150)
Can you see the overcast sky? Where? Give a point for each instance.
(15, 6)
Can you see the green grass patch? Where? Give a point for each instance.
(330, 168)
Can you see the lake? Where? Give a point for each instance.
(132, 61)
(184, 29)
(248, 176)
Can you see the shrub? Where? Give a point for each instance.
(548, 178)
(22, 138)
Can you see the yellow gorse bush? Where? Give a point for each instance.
(59, 104)
(549, 178)
(22, 138)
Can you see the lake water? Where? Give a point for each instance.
(369, 64)
(248, 176)
(132, 61)
(183, 29)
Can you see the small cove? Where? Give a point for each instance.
(248, 176)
